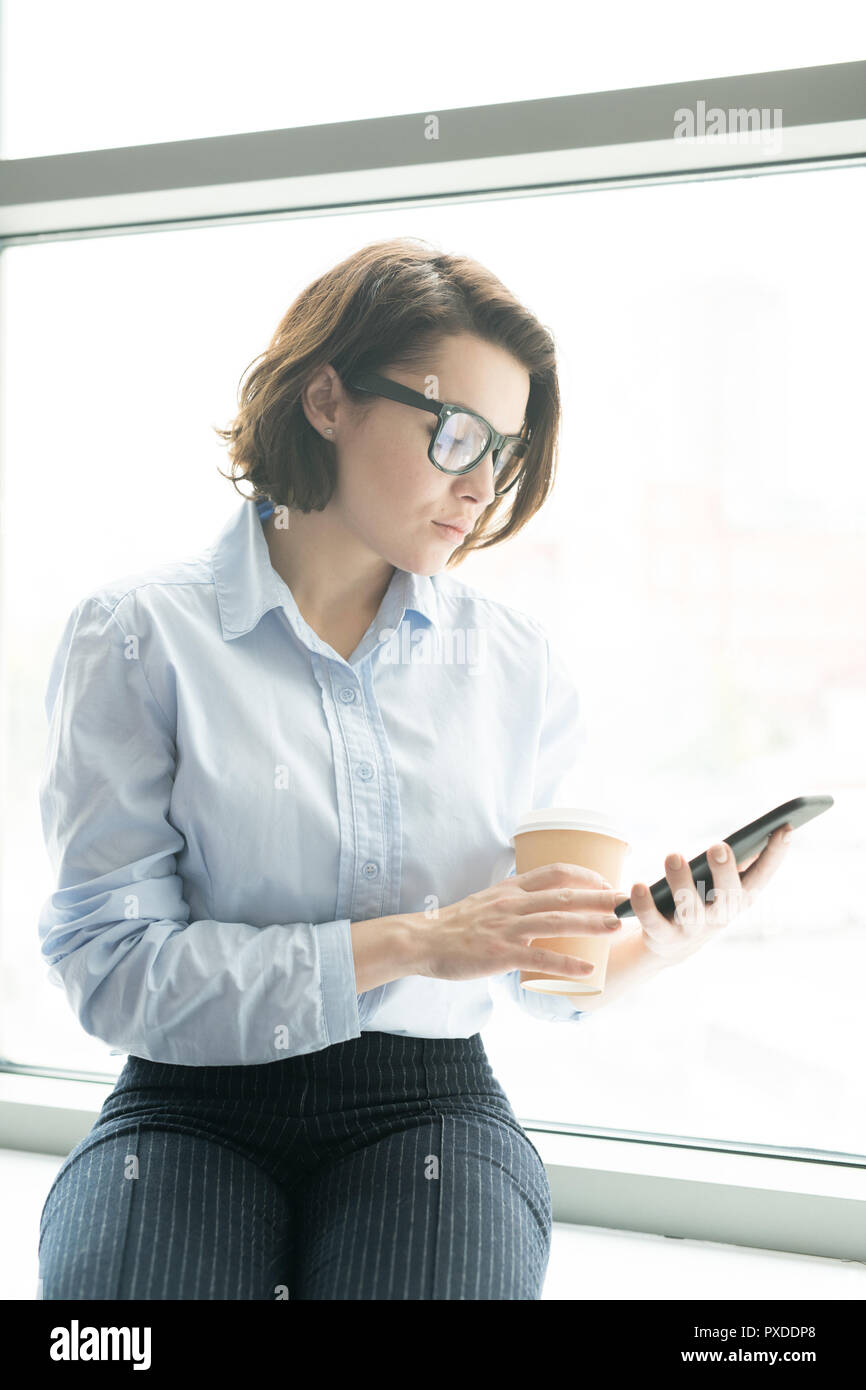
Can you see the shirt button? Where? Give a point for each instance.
(366, 771)
(347, 695)
(370, 870)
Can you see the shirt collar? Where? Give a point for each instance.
(247, 585)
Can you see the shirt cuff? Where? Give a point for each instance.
(551, 1008)
(337, 974)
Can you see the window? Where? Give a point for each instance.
(700, 563)
(695, 567)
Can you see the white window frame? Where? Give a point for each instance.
(804, 1201)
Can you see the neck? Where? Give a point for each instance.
(331, 573)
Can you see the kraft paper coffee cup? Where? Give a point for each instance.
(571, 835)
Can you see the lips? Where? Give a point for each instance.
(460, 527)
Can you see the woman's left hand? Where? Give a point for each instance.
(695, 923)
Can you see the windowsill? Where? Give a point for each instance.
(817, 1179)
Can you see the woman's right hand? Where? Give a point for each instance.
(491, 932)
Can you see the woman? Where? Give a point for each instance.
(279, 776)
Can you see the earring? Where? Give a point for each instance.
(329, 431)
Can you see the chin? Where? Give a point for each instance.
(424, 560)
(424, 557)
(424, 565)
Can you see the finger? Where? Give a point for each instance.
(562, 875)
(598, 900)
(688, 905)
(565, 923)
(753, 857)
(554, 963)
(768, 862)
(726, 896)
(660, 929)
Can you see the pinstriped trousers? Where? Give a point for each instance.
(383, 1167)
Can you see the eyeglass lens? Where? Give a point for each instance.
(463, 439)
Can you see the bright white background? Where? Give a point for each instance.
(97, 74)
(699, 565)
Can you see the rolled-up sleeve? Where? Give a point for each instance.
(116, 933)
(562, 737)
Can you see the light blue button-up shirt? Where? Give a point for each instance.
(223, 794)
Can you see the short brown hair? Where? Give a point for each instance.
(388, 305)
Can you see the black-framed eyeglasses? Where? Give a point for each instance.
(461, 438)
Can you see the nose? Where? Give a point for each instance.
(477, 484)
